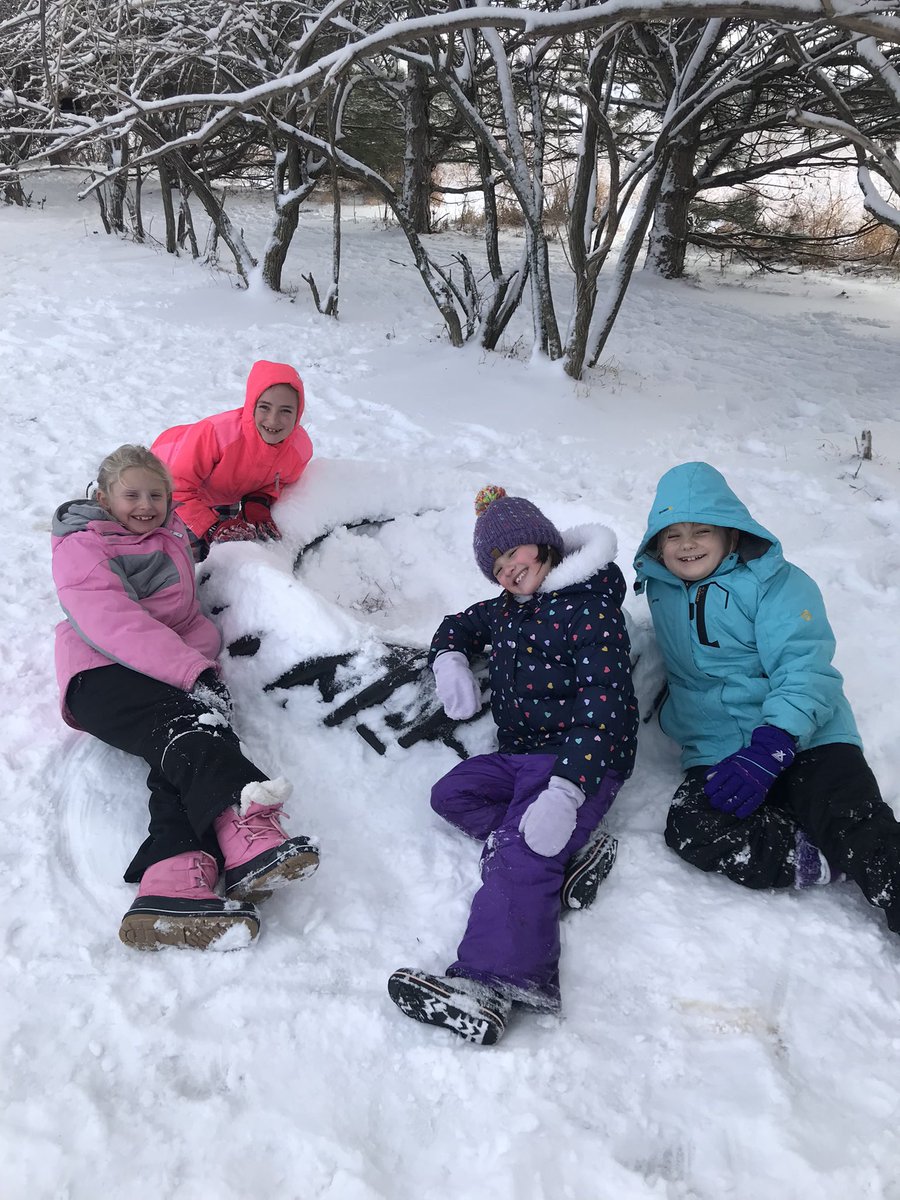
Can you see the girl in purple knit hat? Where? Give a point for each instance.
(561, 695)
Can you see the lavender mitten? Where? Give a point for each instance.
(456, 686)
(740, 782)
(549, 821)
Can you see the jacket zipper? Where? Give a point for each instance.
(698, 611)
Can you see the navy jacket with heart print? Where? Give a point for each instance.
(559, 663)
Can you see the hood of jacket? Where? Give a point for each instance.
(263, 375)
(587, 550)
(697, 492)
(75, 516)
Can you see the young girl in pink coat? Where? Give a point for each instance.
(230, 468)
(136, 663)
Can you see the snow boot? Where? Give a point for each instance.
(811, 867)
(472, 1010)
(259, 856)
(176, 906)
(587, 870)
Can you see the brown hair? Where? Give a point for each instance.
(547, 553)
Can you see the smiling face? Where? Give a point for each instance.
(138, 500)
(275, 413)
(692, 551)
(520, 570)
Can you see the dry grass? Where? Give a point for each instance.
(834, 231)
(469, 219)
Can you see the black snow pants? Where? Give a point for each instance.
(829, 793)
(196, 765)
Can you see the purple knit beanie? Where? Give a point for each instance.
(507, 521)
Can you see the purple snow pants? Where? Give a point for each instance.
(512, 939)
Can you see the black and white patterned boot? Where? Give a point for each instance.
(471, 1010)
(587, 870)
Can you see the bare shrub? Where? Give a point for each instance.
(829, 231)
(815, 227)
(880, 243)
(509, 213)
(468, 219)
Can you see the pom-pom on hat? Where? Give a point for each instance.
(507, 521)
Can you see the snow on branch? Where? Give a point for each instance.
(868, 19)
(867, 49)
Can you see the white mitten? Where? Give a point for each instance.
(456, 686)
(549, 821)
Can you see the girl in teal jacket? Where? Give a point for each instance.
(777, 792)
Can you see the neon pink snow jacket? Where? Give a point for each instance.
(222, 458)
(129, 598)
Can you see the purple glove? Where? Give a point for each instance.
(258, 511)
(740, 782)
(231, 529)
(456, 686)
(549, 821)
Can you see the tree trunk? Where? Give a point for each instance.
(166, 182)
(215, 209)
(669, 234)
(508, 289)
(417, 165)
(119, 186)
(287, 215)
(101, 204)
(137, 214)
(634, 240)
(331, 304)
(233, 238)
(546, 329)
(584, 301)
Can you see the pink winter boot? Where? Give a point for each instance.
(176, 906)
(258, 853)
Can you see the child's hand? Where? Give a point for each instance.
(740, 782)
(456, 686)
(231, 529)
(549, 821)
(257, 510)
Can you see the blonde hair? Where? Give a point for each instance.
(123, 459)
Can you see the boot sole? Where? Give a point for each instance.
(296, 859)
(149, 930)
(582, 883)
(424, 998)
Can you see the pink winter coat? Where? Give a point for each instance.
(129, 598)
(222, 458)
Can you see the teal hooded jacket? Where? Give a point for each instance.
(748, 645)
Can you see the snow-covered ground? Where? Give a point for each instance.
(714, 1043)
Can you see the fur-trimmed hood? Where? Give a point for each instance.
(588, 549)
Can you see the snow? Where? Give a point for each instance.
(714, 1043)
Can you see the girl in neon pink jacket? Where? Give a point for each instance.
(229, 469)
(136, 663)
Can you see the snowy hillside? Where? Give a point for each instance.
(713, 1043)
